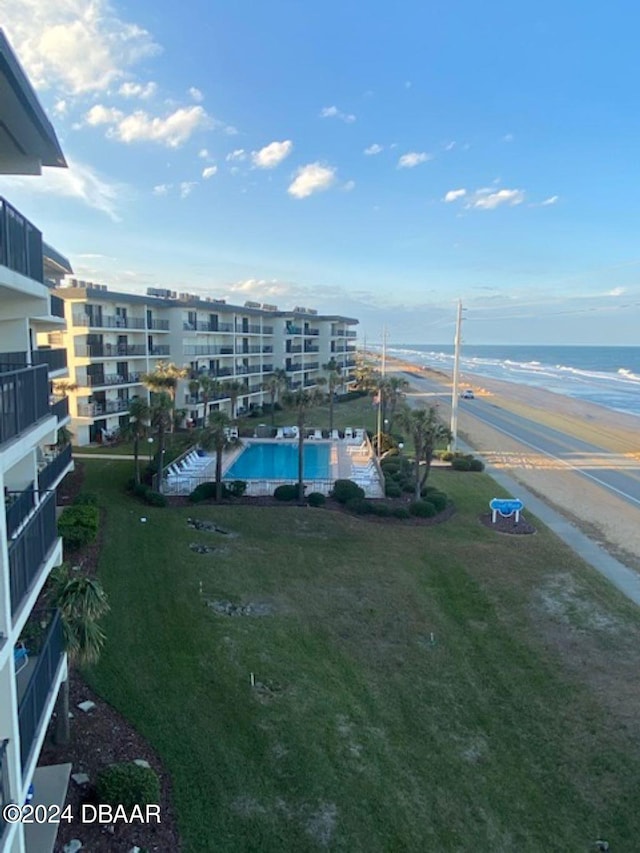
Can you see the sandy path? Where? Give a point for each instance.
(598, 512)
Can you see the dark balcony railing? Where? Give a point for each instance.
(34, 701)
(60, 408)
(294, 348)
(248, 329)
(311, 332)
(20, 243)
(48, 475)
(254, 389)
(164, 349)
(113, 379)
(108, 321)
(18, 505)
(5, 791)
(252, 350)
(221, 371)
(312, 365)
(290, 368)
(295, 385)
(293, 330)
(55, 359)
(209, 349)
(309, 382)
(311, 348)
(158, 325)
(352, 334)
(350, 362)
(57, 306)
(268, 348)
(109, 350)
(12, 361)
(267, 368)
(108, 407)
(267, 330)
(29, 549)
(24, 400)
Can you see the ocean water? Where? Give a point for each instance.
(608, 376)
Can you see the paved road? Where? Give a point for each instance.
(617, 472)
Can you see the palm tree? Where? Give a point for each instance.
(395, 389)
(161, 420)
(273, 384)
(216, 436)
(302, 399)
(164, 379)
(426, 432)
(82, 602)
(137, 429)
(233, 389)
(209, 387)
(63, 387)
(365, 374)
(334, 379)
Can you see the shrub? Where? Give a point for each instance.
(422, 509)
(381, 509)
(130, 484)
(408, 486)
(476, 465)
(359, 505)
(392, 489)
(460, 463)
(129, 785)
(427, 490)
(85, 499)
(286, 492)
(78, 525)
(316, 499)
(346, 490)
(438, 499)
(400, 512)
(237, 488)
(140, 490)
(155, 498)
(446, 456)
(203, 492)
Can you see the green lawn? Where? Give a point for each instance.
(371, 737)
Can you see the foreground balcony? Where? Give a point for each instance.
(107, 379)
(29, 549)
(99, 410)
(55, 359)
(55, 465)
(20, 243)
(24, 400)
(109, 350)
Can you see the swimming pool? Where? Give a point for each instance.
(279, 461)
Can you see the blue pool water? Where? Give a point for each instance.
(279, 461)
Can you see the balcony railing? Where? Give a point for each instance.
(243, 369)
(34, 700)
(5, 791)
(267, 368)
(55, 359)
(49, 474)
(158, 325)
(18, 505)
(12, 361)
(209, 349)
(108, 321)
(248, 329)
(293, 330)
(164, 349)
(352, 335)
(312, 365)
(112, 379)
(60, 408)
(254, 389)
(57, 306)
(267, 330)
(29, 549)
(221, 371)
(109, 350)
(311, 332)
(311, 348)
(108, 407)
(291, 368)
(295, 348)
(20, 243)
(24, 400)
(267, 348)
(248, 350)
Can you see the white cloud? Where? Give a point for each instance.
(73, 45)
(373, 149)
(203, 153)
(272, 155)
(508, 137)
(60, 107)
(161, 189)
(314, 177)
(209, 172)
(486, 199)
(412, 159)
(551, 200)
(172, 130)
(138, 90)
(236, 156)
(196, 94)
(452, 195)
(348, 186)
(617, 291)
(334, 112)
(186, 188)
(79, 182)
(449, 146)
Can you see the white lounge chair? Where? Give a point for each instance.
(335, 435)
(294, 431)
(233, 433)
(348, 433)
(317, 435)
(359, 434)
(280, 432)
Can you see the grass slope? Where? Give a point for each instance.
(371, 737)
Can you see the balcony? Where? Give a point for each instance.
(243, 369)
(267, 368)
(255, 389)
(267, 330)
(309, 383)
(112, 379)
(267, 348)
(55, 359)
(12, 360)
(29, 549)
(158, 325)
(209, 349)
(57, 306)
(206, 326)
(247, 329)
(248, 350)
(109, 350)
(54, 467)
(20, 243)
(24, 400)
(312, 365)
(311, 333)
(293, 330)
(292, 368)
(108, 321)
(294, 348)
(60, 409)
(35, 684)
(18, 505)
(108, 407)
(159, 350)
(311, 348)
(351, 334)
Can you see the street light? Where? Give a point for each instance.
(150, 442)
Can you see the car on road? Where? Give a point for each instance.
(468, 394)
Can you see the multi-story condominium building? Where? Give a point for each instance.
(113, 338)
(31, 466)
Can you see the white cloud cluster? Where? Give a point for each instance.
(196, 94)
(74, 45)
(486, 198)
(271, 155)
(312, 178)
(373, 149)
(334, 112)
(454, 195)
(138, 90)
(209, 172)
(236, 156)
(187, 187)
(413, 159)
(172, 130)
(551, 200)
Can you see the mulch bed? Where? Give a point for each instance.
(507, 525)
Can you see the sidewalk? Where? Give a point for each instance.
(120, 456)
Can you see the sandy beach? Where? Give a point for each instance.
(606, 518)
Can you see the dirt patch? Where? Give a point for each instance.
(202, 525)
(507, 525)
(198, 548)
(227, 608)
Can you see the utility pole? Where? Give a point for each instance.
(456, 376)
(383, 370)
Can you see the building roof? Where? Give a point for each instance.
(27, 138)
(58, 262)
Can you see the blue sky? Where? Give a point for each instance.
(378, 161)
